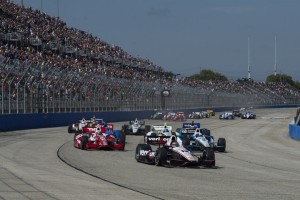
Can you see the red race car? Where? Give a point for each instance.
(100, 137)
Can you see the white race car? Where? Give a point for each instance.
(159, 130)
(227, 115)
(136, 127)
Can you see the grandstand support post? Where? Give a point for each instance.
(164, 94)
(53, 97)
(153, 98)
(18, 84)
(85, 97)
(59, 99)
(65, 100)
(96, 97)
(3, 81)
(9, 95)
(24, 106)
(96, 89)
(48, 92)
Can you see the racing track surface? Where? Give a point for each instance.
(261, 162)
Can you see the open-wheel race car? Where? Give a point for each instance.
(136, 127)
(248, 115)
(159, 130)
(77, 126)
(171, 154)
(227, 115)
(195, 138)
(100, 137)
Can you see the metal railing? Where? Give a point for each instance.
(29, 88)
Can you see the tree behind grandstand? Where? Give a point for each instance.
(206, 75)
(284, 78)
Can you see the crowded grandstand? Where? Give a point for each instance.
(47, 66)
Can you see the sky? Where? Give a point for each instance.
(187, 36)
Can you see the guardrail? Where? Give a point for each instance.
(10, 122)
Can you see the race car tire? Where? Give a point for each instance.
(70, 128)
(84, 140)
(161, 157)
(140, 147)
(221, 142)
(208, 154)
(122, 139)
(220, 117)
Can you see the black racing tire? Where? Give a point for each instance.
(122, 139)
(84, 140)
(222, 142)
(161, 157)
(220, 117)
(140, 147)
(70, 129)
(208, 154)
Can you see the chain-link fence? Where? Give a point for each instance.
(31, 88)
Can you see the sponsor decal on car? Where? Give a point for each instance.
(144, 152)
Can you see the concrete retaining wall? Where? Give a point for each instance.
(11, 122)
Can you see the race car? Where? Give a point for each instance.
(195, 138)
(77, 126)
(227, 115)
(205, 114)
(175, 116)
(99, 137)
(236, 113)
(211, 112)
(136, 127)
(195, 115)
(248, 115)
(157, 115)
(171, 154)
(159, 130)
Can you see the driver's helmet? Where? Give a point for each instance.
(166, 130)
(98, 130)
(174, 144)
(83, 121)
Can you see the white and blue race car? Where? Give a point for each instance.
(248, 115)
(136, 127)
(227, 115)
(195, 138)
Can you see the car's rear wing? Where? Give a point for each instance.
(188, 125)
(92, 129)
(157, 139)
(188, 131)
(161, 128)
(140, 122)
